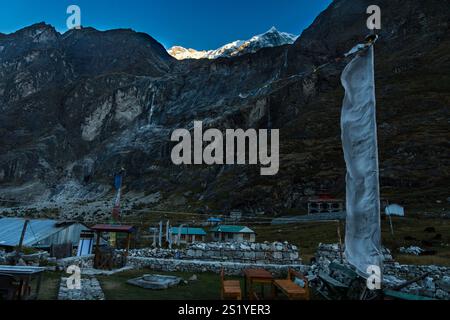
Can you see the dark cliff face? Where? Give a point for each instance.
(78, 106)
(92, 53)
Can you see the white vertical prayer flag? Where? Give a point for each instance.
(359, 140)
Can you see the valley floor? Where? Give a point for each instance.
(413, 230)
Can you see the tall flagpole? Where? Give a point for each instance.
(115, 217)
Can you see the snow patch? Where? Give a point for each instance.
(272, 38)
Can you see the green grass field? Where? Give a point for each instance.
(206, 288)
(407, 231)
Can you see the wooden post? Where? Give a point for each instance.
(160, 234)
(167, 230)
(340, 240)
(169, 234)
(22, 237)
(179, 234)
(388, 212)
(391, 225)
(97, 250)
(128, 245)
(154, 238)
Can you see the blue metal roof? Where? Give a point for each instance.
(215, 220)
(37, 230)
(189, 231)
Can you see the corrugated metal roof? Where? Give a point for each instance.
(113, 228)
(189, 231)
(232, 229)
(37, 230)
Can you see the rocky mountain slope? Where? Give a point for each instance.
(269, 39)
(77, 107)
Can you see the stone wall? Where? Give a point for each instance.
(270, 253)
(82, 262)
(158, 253)
(256, 253)
(199, 266)
(327, 253)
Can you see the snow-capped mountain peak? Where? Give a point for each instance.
(271, 38)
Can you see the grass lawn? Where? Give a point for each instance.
(50, 286)
(206, 288)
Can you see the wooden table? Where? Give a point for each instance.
(256, 276)
(25, 275)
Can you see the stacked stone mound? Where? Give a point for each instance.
(260, 253)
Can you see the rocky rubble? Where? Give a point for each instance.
(41, 258)
(413, 250)
(435, 285)
(90, 290)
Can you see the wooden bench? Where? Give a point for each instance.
(230, 289)
(334, 289)
(290, 289)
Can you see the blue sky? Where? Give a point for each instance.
(199, 24)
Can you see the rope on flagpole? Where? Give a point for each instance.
(368, 42)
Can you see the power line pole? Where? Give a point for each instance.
(22, 237)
